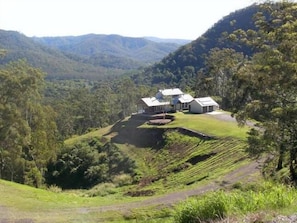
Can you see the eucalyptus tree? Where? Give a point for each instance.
(215, 79)
(127, 96)
(266, 86)
(27, 127)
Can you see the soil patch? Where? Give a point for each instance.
(196, 159)
(159, 121)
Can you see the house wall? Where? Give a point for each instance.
(181, 106)
(195, 107)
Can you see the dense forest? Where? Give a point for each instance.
(84, 57)
(36, 117)
(247, 60)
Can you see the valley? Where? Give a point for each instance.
(107, 128)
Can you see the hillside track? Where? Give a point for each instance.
(245, 173)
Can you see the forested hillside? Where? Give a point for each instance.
(56, 64)
(91, 57)
(180, 68)
(36, 117)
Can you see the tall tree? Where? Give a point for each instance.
(27, 128)
(127, 96)
(215, 78)
(267, 85)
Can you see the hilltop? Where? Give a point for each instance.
(171, 166)
(166, 161)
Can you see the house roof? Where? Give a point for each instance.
(185, 98)
(206, 101)
(150, 102)
(170, 92)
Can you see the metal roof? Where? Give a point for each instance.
(206, 101)
(185, 98)
(154, 102)
(171, 92)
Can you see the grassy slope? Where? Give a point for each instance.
(164, 170)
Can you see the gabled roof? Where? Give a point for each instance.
(185, 98)
(154, 102)
(170, 92)
(206, 101)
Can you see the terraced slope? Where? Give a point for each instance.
(188, 163)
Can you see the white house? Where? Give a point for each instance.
(166, 100)
(174, 99)
(203, 105)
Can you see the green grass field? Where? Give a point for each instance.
(209, 124)
(183, 162)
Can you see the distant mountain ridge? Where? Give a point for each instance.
(88, 56)
(161, 40)
(94, 56)
(139, 49)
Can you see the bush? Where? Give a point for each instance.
(102, 190)
(88, 163)
(55, 189)
(122, 180)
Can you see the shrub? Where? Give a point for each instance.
(55, 189)
(122, 180)
(102, 190)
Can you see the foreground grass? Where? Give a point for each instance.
(37, 205)
(21, 201)
(267, 197)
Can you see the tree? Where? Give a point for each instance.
(216, 77)
(127, 96)
(88, 163)
(27, 128)
(267, 85)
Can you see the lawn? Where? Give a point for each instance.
(209, 124)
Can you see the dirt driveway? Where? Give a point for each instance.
(225, 116)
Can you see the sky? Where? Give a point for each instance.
(174, 19)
